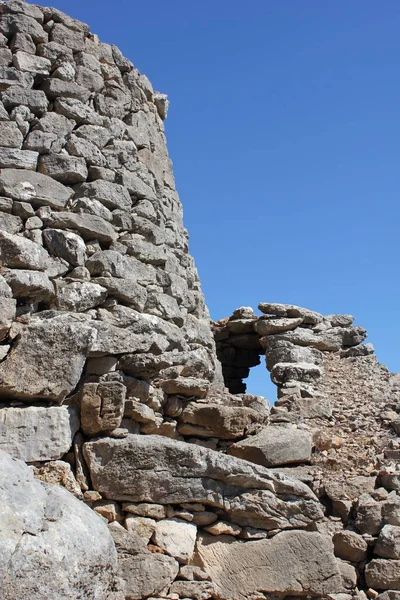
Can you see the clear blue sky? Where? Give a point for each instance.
(284, 130)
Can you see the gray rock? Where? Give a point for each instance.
(351, 546)
(304, 372)
(18, 95)
(10, 223)
(33, 187)
(388, 544)
(36, 433)
(79, 296)
(198, 590)
(125, 290)
(271, 326)
(24, 42)
(214, 420)
(290, 310)
(60, 343)
(89, 226)
(381, 574)
(75, 40)
(34, 64)
(10, 135)
(66, 169)
(77, 110)
(7, 315)
(98, 135)
(20, 253)
(34, 285)
(66, 245)
(57, 88)
(11, 158)
(176, 537)
(5, 57)
(274, 446)
(142, 573)
(164, 471)
(330, 340)
(54, 123)
(11, 24)
(92, 207)
(291, 563)
(9, 77)
(20, 7)
(85, 149)
(112, 195)
(86, 78)
(44, 524)
(102, 406)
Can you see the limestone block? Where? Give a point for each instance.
(66, 169)
(18, 95)
(102, 406)
(22, 23)
(34, 285)
(34, 64)
(145, 509)
(382, 574)
(112, 195)
(7, 315)
(75, 40)
(47, 360)
(388, 544)
(36, 188)
(351, 546)
(141, 526)
(215, 420)
(20, 253)
(66, 245)
(9, 77)
(142, 572)
(89, 226)
(279, 325)
(12, 158)
(56, 88)
(302, 371)
(44, 524)
(291, 563)
(79, 296)
(10, 223)
(167, 471)
(176, 537)
(274, 446)
(198, 590)
(186, 386)
(35, 433)
(10, 135)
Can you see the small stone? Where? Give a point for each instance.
(141, 526)
(144, 509)
(176, 537)
(223, 528)
(66, 169)
(108, 509)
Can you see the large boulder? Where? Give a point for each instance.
(297, 563)
(274, 446)
(35, 433)
(160, 470)
(51, 545)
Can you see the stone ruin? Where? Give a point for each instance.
(133, 464)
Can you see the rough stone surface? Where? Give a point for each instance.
(44, 524)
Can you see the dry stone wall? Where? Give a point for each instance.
(177, 483)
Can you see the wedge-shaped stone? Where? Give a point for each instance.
(29, 62)
(164, 471)
(47, 359)
(43, 524)
(57, 88)
(17, 252)
(274, 446)
(293, 563)
(36, 433)
(272, 326)
(126, 290)
(8, 308)
(79, 296)
(90, 226)
(33, 187)
(12, 158)
(215, 420)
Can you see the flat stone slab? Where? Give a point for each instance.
(164, 471)
(35, 433)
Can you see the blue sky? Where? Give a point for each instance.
(284, 130)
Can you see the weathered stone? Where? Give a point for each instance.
(10, 135)
(215, 420)
(11, 158)
(22, 23)
(102, 406)
(223, 528)
(176, 537)
(10, 223)
(10, 77)
(79, 296)
(381, 574)
(40, 523)
(153, 511)
(291, 311)
(17, 95)
(293, 562)
(186, 386)
(142, 572)
(108, 509)
(75, 40)
(388, 544)
(58, 472)
(141, 526)
(77, 110)
(304, 372)
(32, 187)
(198, 590)
(275, 445)
(89, 226)
(126, 290)
(112, 195)
(20, 253)
(271, 326)
(7, 315)
(34, 64)
(184, 472)
(36, 434)
(351, 546)
(61, 344)
(57, 88)
(66, 245)
(34, 285)
(66, 169)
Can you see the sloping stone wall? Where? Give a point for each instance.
(110, 384)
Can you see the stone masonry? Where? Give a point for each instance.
(133, 464)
